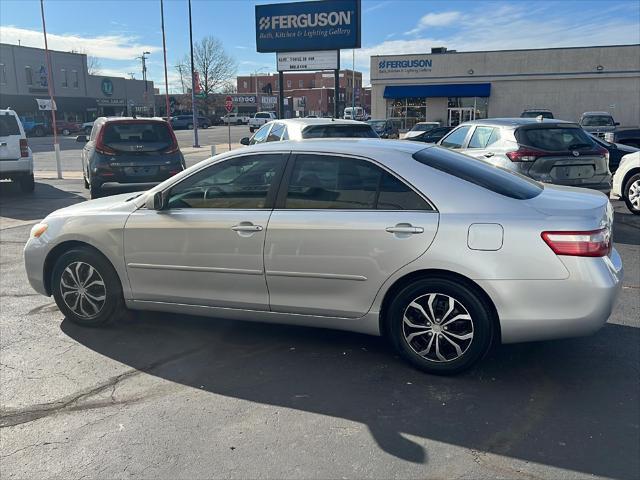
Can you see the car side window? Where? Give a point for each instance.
(327, 182)
(481, 137)
(276, 132)
(456, 138)
(94, 132)
(285, 134)
(238, 183)
(261, 135)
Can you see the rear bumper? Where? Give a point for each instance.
(15, 168)
(135, 171)
(532, 310)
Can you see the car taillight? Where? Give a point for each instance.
(593, 243)
(524, 154)
(603, 151)
(173, 148)
(24, 148)
(100, 146)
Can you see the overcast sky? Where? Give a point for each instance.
(118, 31)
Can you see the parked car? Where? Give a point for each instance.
(260, 119)
(186, 121)
(235, 119)
(431, 136)
(16, 158)
(419, 128)
(304, 128)
(354, 113)
(86, 127)
(537, 112)
(129, 150)
(36, 127)
(598, 123)
(362, 235)
(550, 151)
(624, 136)
(67, 128)
(626, 182)
(616, 151)
(384, 128)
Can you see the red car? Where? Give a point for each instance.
(66, 128)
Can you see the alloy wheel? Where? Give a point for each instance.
(83, 290)
(437, 327)
(634, 195)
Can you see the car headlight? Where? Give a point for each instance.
(38, 229)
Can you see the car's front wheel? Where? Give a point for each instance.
(440, 326)
(190, 126)
(66, 132)
(86, 288)
(632, 194)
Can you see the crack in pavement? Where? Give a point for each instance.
(74, 402)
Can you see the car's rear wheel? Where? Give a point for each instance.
(39, 132)
(27, 183)
(440, 326)
(66, 132)
(205, 126)
(239, 122)
(86, 182)
(632, 194)
(95, 190)
(86, 288)
(190, 126)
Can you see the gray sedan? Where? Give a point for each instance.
(361, 235)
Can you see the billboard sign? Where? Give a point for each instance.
(320, 60)
(306, 26)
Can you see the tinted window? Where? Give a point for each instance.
(237, 183)
(285, 134)
(124, 136)
(325, 182)
(276, 132)
(480, 137)
(8, 125)
(339, 131)
(456, 138)
(559, 139)
(598, 121)
(261, 135)
(534, 114)
(480, 173)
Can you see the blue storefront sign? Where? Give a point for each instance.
(304, 26)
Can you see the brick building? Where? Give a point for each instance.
(307, 93)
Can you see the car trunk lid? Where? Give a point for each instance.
(9, 137)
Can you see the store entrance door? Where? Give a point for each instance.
(460, 115)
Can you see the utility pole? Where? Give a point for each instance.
(143, 57)
(164, 51)
(353, 85)
(193, 85)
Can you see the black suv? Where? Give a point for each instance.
(129, 150)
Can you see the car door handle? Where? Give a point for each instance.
(404, 228)
(489, 154)
(246, 227)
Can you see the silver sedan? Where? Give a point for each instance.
(442, 254)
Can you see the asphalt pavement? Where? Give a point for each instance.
(172, 396)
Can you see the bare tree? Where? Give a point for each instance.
(215, 67)
(93, 65)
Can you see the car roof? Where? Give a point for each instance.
(8, 111)
(142, 119)
(303, 122)
(515, 122)
(536, 110)
(596, 113)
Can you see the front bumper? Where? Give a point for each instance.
(35, 253)
(532, 310)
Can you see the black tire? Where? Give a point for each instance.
(481, 325)
(190, 126)
(27, 183)
(251, 129)
(626, 192)
(113, 304)
(95, 190)
(239, 122)
(86, 182)
(205, 126)
(66, 132)
(38, 132)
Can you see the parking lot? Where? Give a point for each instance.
(167, 396)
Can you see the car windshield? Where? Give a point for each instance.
(377, 125)
(339, 131)
(147, 135)
(423, 127)
(536, 113)
(555, 139)
(597, 121)
(478, 172)
(8, 126)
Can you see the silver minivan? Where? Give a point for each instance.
(550, 151)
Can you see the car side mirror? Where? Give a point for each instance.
(617, 124)
(82, 139)
(155, 201)
(244, 141)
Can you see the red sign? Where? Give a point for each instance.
(228, 104)
(197, 85)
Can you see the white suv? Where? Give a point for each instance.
(16, 159)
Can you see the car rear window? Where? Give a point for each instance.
(8, 126)
(478, 172)
(339, 131)
(554, 138)
(151, 134)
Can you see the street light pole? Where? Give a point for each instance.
(193, 85)
(164, 51)
(255, 75)
(143, 57)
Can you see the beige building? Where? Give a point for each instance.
(451, 87)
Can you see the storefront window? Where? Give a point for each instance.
(28, 73)
(407, 111)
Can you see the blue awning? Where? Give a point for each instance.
(446, 90)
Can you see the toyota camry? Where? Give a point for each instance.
(443, 254)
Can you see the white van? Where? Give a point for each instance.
(16, 158)
(354, 113)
